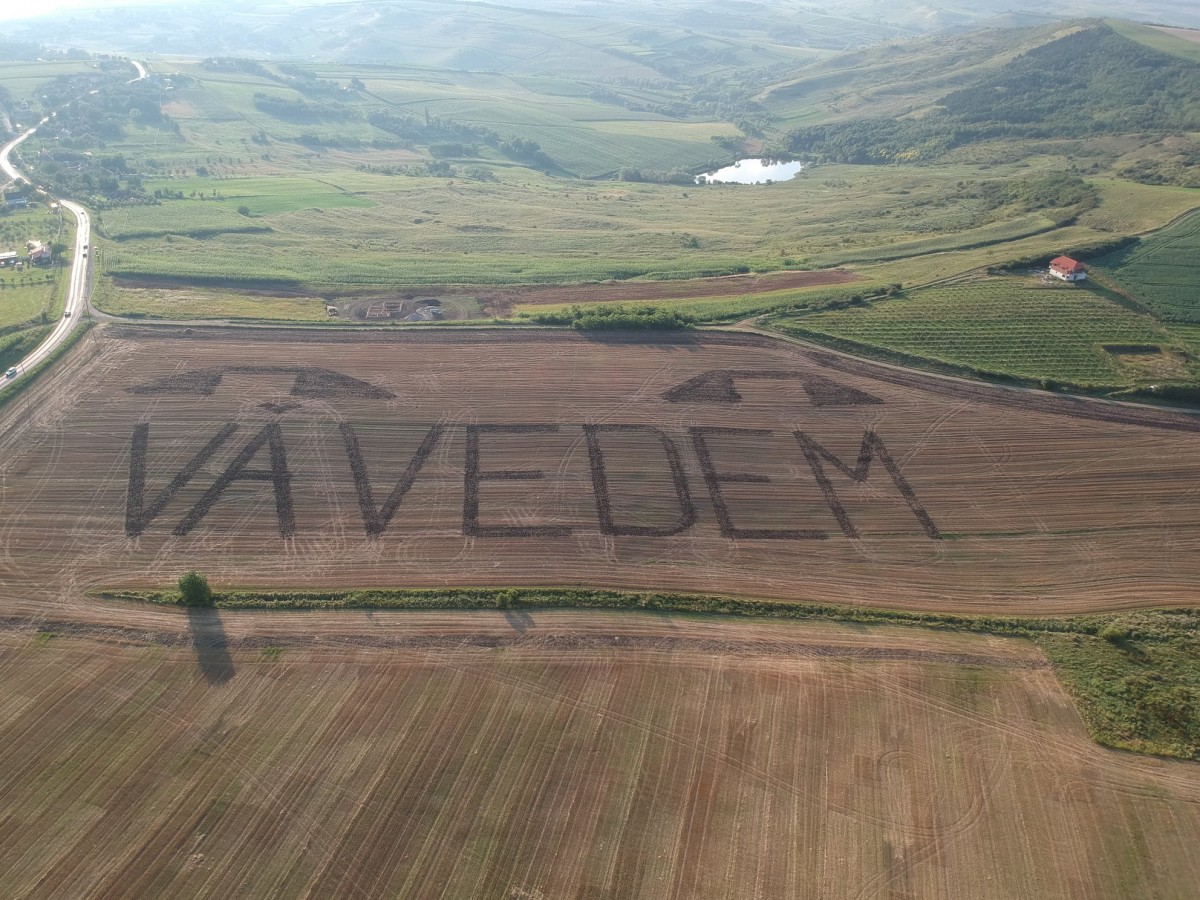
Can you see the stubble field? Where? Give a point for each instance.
(718, 463)
(565, 754)
(523, 754)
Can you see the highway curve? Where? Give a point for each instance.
(77, 287)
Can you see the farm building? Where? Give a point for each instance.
(8, 258)
(1068, 269)
(39, 253)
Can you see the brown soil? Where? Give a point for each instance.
(535, 755)
(346, 460)
(148, 751)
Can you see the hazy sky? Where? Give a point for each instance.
(14, 9)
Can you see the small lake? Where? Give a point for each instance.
(753, 171)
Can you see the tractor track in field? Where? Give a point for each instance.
(491, 640)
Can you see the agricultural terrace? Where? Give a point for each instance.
(563, 754)
(712, 463)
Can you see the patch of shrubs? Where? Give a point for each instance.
(604, 318)
(194, 590)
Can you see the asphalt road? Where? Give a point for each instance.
(78, 281)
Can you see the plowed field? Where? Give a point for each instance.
(566, 755)
(717, 463)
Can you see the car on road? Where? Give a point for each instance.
(11, 373)
(66, 314)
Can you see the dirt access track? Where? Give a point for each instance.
(712, 462)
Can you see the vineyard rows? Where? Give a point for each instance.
(1003, 325)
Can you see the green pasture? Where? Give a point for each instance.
(584, 136)
(1011, 326)
(328, 219)
(27, 295)
(735, 306)
(368, 228)
(197, 303)
(24, 78)
(1127, 207)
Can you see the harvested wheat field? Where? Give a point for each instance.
(716, 462)
(566, 754)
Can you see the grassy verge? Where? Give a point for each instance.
(1135, 676)
(28, 378)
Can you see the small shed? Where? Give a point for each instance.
(1067, 269)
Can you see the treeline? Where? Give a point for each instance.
(449, 135)
(307, 82)
(1083, 252)
(235, 64)
(1090, 82)
(430, 128)
(526, 151)
(650, 176)
(616, 317)
(715, 98)
(300, 110)
(434, 168)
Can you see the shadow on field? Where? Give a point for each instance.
(518, 619)
(210, 644)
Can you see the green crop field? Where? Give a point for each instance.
(1013, 326)
(23, 79)
(1162, 271)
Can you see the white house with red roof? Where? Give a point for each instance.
(1068, 269)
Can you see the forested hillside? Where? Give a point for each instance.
(1091, 82)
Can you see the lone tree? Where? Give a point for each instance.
(194, 590)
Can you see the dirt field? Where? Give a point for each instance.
(716, 463)
(555, 755)
(146, 751)
(1188, 34)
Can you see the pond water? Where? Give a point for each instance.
(753, 171)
